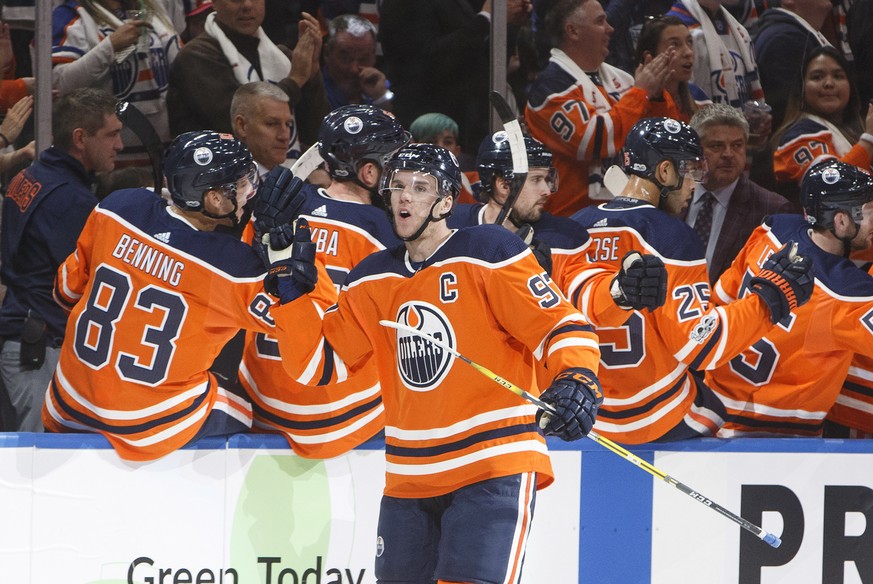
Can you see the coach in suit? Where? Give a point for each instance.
(727, 206)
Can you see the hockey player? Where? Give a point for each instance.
(155, 293)
(348, 223)
(650, 393)
(785, 383)
(464, 457)
(602, 292)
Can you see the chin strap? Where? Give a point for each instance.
(231, 215)
(430, 218)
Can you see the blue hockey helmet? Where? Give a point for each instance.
(830, 186)
(495, 159)
(653, 140)
(196, 162)
(352, 134)
(429, 159)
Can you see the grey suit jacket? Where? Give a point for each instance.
(749, 205)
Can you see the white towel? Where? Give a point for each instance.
(275, 66)
(719, 56)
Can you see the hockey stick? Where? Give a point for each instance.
(769, 538)
(140, 125)
(308, 162)
(516, 147)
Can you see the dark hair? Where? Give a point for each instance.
(556, 18)
(84, 108)
(851, 123)
(650, 37)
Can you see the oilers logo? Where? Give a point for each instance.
(423, 365)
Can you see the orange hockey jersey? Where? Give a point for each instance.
(785, 383)
(646, 361)
(341, 412)
(481, 292)
(809, 140)
(584, 125)
(153, 301)
(585, 283)
(854, 406)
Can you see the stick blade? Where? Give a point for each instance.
(501, 107)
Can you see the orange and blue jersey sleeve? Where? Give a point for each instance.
(586, 284)
(806, 144)
(571, 126)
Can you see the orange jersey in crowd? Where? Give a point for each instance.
(483, 293)
(785, 383)
(807, 141)
(153, 302)
(345, 232)
(854, 407)
(580, 133)
(645, 363)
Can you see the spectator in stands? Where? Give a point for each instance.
(823, 118)
(660, 34)
(106, 45)
(627, 18)
(440, 129)
(44, 211)
(581, 108)
(350, 74)
(436, 128)
(785, 36)
(233, 51)
(195, 21)
(726, 207)
(11, 89)
(13, 123)
(724, 64)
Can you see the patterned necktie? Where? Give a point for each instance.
(703, 222)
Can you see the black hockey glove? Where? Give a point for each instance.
(640, 283)
(277, 206)
(542, 251)
(576, 396)
(785, 281)
(291, 270)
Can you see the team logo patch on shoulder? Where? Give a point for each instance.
(203, 156)
(423, 365)
(704, 328)
(353, 124)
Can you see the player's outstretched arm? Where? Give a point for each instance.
(640, 283)
(576, 396)
(785, 281)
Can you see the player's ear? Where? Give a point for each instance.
(665, 172)
(369, 174)
(213, 200)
